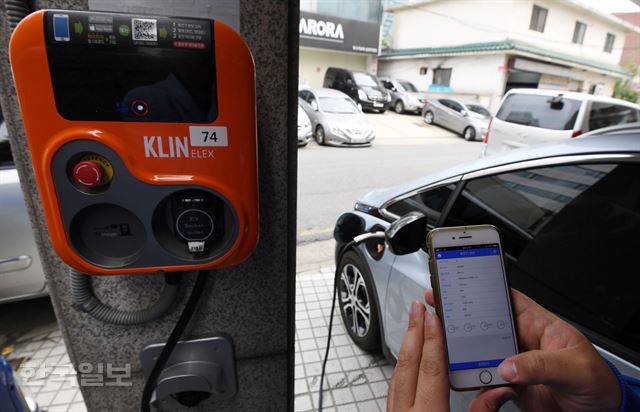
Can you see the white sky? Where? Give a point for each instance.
(613, 6)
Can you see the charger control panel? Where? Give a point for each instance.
(142, 135)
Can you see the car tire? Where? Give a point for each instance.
(320, 135)
(356, 296)
(428, 117)
(469, 134)
(399, 107)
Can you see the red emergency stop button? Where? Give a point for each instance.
(88, 173)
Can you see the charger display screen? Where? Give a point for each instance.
(112, 67)
(477, 318)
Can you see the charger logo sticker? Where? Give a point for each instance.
(207, 136)
(198, 145)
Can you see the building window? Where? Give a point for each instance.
(423, 71)
(442, 77)
(578, 32)
(538, 18)
(608, 44)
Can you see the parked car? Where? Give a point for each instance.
(470, 120)
(405, 96)
(21, 275)
(533, 116)
(568, 214)
(304, 126)
(335, 118)
(364, 88)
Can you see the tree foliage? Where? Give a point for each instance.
(623, 89)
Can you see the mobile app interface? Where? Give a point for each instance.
(476, 312)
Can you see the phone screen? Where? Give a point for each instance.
(475, 306)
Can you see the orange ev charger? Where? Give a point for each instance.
(142, 134)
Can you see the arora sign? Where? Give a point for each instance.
(335, 33)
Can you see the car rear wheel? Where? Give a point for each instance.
(320, 135)
(428, 117)
(469, 134)
(357, 302)
(399, 107)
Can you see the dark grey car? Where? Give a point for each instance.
(470, 120)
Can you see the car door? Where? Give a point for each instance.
(409, 277)
(458, 121)
(21, 273)
(569, 234)
(444, 113)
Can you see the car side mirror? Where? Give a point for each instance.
(464, 113)
(407, 234)
(314, 105)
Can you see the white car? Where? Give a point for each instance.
(533, 116)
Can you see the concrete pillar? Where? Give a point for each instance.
(254, 302)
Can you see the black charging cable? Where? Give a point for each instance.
(177, 331)
(336, 279)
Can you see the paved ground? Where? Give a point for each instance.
(331, 179)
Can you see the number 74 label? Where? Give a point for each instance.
(208, 136)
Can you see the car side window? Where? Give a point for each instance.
(429, 203)
(304, 95)
(455, 106)
(388, 85)
(610, 114)
(445, 103)
(569, 235)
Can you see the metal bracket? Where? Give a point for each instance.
(197, 369)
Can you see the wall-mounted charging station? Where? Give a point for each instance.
(142, 134)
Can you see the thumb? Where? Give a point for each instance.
(541, 367)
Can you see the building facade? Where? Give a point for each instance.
(484, 48)
(338, 34)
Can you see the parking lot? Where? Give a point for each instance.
(330, 180)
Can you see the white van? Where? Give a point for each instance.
(532, 116)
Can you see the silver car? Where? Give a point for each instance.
(405, 96)
(569, 217)
(470, 120)
(21, 275)
(335, 118)
(304, 127)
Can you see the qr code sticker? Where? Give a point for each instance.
(145, 29)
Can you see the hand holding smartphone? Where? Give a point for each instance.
(473, 302)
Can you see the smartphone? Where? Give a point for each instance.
(473, 301)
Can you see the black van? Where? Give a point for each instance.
(365, 89)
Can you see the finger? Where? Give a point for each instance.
(406, 372)
(538, 328)
(561, 368)
(390, 393)
(432, 392)
(428, 296)
(492, 399)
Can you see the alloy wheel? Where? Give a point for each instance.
(399, 107)
(320, 135)
(355, 300)
(469, 134)
(428, 117)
